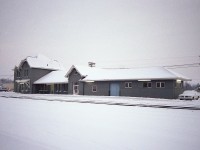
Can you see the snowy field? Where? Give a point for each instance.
(62, 122)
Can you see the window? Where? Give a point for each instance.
(128, 84)
(160, 84)
(57, 87)
(65, 87)
(147, 85)
(60, 87)
(22, 87)
(26, 73)
(94, 88)
(18, 74)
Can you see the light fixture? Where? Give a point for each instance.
(144, 80)
(90, 81)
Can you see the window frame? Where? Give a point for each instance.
(160, 84)
(26, 72)
(128, 85)
(94, 88)
(65, 87)
(147, 83)
(18, 74)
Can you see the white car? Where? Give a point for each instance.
(189, 95)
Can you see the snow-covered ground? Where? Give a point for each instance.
(47, 122)
(111, 100)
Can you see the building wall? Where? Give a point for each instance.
(137, 89)
(103, 88)
(28, 73)
(74, 77)
(35, 74)
(19, 74)
(15, 78)
(178, 89)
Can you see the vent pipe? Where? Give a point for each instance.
(91, 64)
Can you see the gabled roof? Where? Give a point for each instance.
(152, 73)
(54, 77)
(82, 70)
(42, 62)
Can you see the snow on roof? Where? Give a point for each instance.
(83, 70)
(53, 77)
(152, 73)
(43, 62)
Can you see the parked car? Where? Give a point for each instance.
(3, 89)
(189, 95)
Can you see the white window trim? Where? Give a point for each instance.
(94, 88)
(129, 83)
(160, 85)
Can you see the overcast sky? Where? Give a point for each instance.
(112, 33)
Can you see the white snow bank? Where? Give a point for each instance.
(111, 100)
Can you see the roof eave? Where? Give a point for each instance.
(136, 79)
(45, 68)
(51, 82)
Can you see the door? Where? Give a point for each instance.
(52, 88)
(75, 89)
(114, 89)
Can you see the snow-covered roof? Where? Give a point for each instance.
(151, 73)
(54, 77)
(42, 62)
(83, 70)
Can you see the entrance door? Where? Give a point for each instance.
(52, 88)
(75, 89)
(114, 89)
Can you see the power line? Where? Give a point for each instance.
(184, 65)
(147, 59)
(152, 62)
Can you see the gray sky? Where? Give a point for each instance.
(112, 33)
